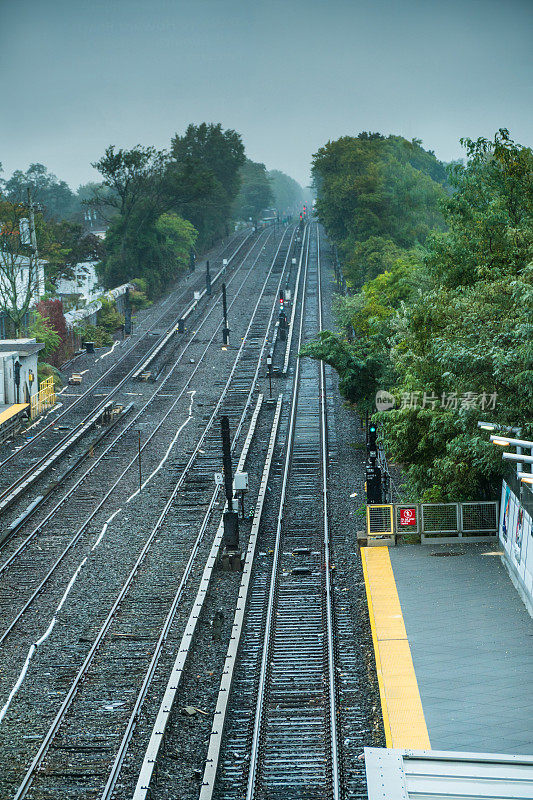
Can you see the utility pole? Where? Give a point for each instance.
(33, 237)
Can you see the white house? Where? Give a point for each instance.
(19, 270)
(84, 283)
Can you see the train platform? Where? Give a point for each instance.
(10, 419)
(454, 648)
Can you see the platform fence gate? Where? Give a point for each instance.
(435, 523)
(45, 397)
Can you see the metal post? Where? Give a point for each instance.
(225, 329)
(231, 517)
(226, 459)
(127, 314)
(140, 468)
(269, 369)
(207, 278)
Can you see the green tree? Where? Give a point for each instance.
(178, 237)
(288, 194)
(255, 193)
(42, 330)
(202, 179)
(219, 151)
(53, 197)
(449, 329)
(378, 198)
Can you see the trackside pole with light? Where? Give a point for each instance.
(231, 517)
(372, 469)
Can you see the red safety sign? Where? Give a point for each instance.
(407, 516)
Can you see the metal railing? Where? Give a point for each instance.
(44, 398)
(434, 522)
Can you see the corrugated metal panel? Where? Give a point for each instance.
(442, 775)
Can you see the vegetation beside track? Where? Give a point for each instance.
(440, 314)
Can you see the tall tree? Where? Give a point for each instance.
(288, 194)
(217, 150)
(448, 330)
(255, 193)
(19, 271)
(53, 197)
(374, 194)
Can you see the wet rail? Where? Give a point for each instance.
(281, 738)
(16, 476)
(75, 750)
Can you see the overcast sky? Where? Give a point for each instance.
(77, 76)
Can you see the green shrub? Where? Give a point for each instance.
(44, 370)
(94, 333)
(138, 300)
(108, 317)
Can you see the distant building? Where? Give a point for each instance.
(19, 269)
(84, 285)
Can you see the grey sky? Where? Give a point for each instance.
(77, 76)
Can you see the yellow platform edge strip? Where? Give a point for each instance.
(11, 411)
(401, 706)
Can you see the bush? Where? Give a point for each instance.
(44, 370)
(94, 333)
(141, 285)
(108, 317)
(138, 300)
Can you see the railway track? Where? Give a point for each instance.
(16, 476)
(28, 569)
(282, 728)
(78, 745)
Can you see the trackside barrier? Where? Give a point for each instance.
(44, 398)
(435, 522)
(379, 522)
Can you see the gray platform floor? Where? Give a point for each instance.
(471, 641)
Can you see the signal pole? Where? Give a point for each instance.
(231, 517)
(207, 278)
(225, 329)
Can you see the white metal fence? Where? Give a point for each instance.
(434, 522)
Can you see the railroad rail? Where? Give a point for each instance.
(88, 495)
(116, 376)
(282, 737)
(135, 609)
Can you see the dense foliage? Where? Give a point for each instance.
(255, 193)
(377, 197)
(447, 330)
(288, 194)
(54, 197)
(203, 178)
(167, 203)
(49, 326)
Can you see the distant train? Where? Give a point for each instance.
(270, 217)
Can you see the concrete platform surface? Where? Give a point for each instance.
(471, 642)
